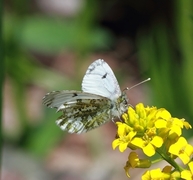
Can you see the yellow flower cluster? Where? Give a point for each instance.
(155, 131)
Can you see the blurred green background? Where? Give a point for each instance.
(48, 45)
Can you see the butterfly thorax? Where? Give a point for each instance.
(120, 105)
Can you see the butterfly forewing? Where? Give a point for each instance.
(56, 99)
(100, 79)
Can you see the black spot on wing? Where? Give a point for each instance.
(104, 76)
(74, 95)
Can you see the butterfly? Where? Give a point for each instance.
(100, 100)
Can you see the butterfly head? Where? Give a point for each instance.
(122, 101)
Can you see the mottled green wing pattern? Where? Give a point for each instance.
(81, 111)
(84, 115)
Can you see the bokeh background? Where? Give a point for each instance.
(49, 44)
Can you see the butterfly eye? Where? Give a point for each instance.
(125, 102)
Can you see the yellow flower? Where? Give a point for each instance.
(173, 174)
(135, 162)
(157, 174)
(154, 131)
(141, 122)
(186, 124)
(163, 114)
(182, 149)
(171, 127)
(141, 118)
(124, 137)
(188, 174)
(148, 146)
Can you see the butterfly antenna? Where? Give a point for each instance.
(148, 79)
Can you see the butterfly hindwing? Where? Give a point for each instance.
(81, 111)
(84, 115)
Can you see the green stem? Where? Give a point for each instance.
(169, 160)
(157, 160)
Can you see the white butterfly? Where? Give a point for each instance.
(99, 101)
